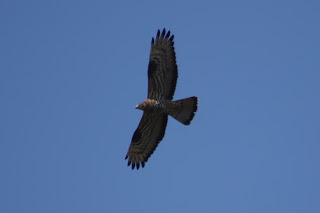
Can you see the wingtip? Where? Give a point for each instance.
(163, 35)
(168, 34)
(135, 164)
(163, 32)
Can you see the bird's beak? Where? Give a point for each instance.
(137, 106)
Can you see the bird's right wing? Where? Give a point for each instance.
(146, 138)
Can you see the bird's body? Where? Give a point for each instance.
(156, 105)
(162, 79)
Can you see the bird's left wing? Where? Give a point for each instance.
(162, 69)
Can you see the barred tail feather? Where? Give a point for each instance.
(183, 110)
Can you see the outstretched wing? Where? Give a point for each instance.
(162, 70)
(146, 138)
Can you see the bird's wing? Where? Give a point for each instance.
(146, 138)
(162, 69)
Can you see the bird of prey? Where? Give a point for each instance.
(162, 80)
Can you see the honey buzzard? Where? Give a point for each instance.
(162, 80)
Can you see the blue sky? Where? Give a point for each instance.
(71, 73)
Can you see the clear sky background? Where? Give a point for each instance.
(71, 73)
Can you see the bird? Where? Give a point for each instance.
(162, 80)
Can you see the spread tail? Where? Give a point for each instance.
(183, 110)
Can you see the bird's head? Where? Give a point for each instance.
(140, 106)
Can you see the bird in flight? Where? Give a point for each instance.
(162, 80)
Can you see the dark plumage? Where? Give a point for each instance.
(162, 80)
